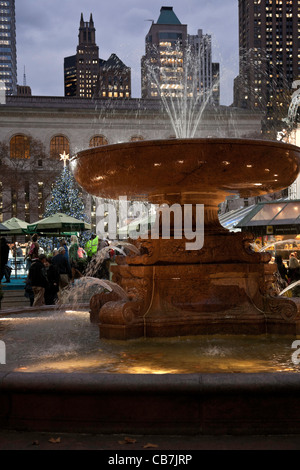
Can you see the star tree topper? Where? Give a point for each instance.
(64, 157)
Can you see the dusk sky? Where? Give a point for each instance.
(47, 31)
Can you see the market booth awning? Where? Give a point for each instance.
(273, 218)
(231, 219)
(15, 226)
(58, 224)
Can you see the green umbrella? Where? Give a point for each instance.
(58, 224)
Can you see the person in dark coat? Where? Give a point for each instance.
(53, 279)
(64, 268)
(38, 277)
(281, 267)
(4, 271)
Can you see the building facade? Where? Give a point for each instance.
(8, 53)
(175, 61)
(269, 60)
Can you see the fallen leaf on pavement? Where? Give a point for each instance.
(127, 440)
(130, 440)
(149, 445)
(54, 440)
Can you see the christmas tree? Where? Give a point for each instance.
(66, 197)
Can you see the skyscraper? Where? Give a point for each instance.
(164, 51)
(81, 70)
(269, 59)
(207, 71)
(167, 50)
(8, 54)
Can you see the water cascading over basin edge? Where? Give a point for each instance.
(224, 287)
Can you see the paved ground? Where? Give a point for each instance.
(11, 440)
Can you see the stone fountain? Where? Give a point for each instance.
(224, 287)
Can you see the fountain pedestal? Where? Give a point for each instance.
(199, 297)
(223, 287)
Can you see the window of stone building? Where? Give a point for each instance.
(58, 145)
(19, 147)
(98, 140)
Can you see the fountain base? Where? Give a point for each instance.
(231, 295)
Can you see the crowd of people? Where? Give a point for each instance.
(48, 275)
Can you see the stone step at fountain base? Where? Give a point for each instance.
(168, 404)
(14, 298)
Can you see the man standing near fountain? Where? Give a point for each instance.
(64, 269)
(38, 278)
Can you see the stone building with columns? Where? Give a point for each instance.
(35, 131)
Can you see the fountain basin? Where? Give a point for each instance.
(247, 167)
